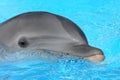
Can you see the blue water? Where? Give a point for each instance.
(100, 21)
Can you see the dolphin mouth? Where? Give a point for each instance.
(97, 57)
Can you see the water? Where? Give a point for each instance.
(100, 21)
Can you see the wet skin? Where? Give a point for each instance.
(44, 30)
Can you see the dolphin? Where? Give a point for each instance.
(48, 31)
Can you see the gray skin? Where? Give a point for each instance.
(44, 30)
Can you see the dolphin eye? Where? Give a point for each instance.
(23, 43)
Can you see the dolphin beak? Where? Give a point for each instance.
(97, 57)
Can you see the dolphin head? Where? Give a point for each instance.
(42, 30)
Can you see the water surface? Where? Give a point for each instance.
(100, 21)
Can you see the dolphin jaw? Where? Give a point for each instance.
(97, 57)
